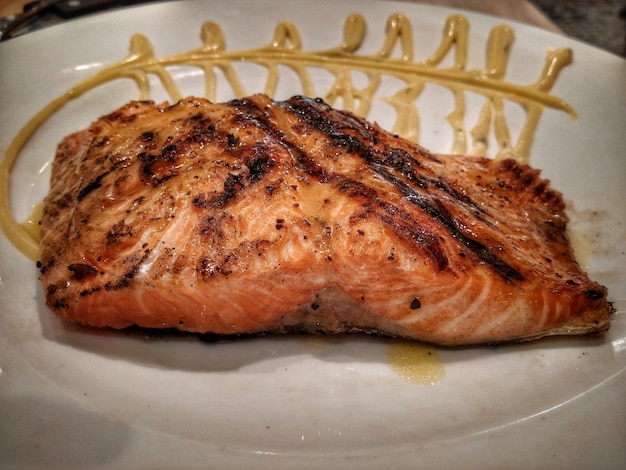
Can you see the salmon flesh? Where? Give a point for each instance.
(256, 216)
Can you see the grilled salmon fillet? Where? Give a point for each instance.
(255, 216)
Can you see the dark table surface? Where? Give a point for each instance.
(598, 22)
(601, 23)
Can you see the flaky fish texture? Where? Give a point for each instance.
(255, 216)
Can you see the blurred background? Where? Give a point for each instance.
(598, 22)
(601, 23)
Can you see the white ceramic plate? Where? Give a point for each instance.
(71, 397)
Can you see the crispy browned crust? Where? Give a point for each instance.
(255, 216)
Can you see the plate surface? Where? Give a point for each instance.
(72, 397)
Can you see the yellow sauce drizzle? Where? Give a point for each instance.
(415, 362)
(30, 225)
(285, 49)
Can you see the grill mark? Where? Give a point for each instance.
(311, 112)
(259, 163)
(251, 113)
(441, 214)
(403, 224)
(594, 294)
(91, 186)
(125, 280)
(82, 271)
(256, 157)
(160, 167)
(118, 233)
(354, 189)
(389, 214)
(393, 216)
(393, 157)
(232, 186)
(365, 129)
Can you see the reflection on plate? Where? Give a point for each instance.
(127, 399)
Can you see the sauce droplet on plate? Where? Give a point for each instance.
(415, 362)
